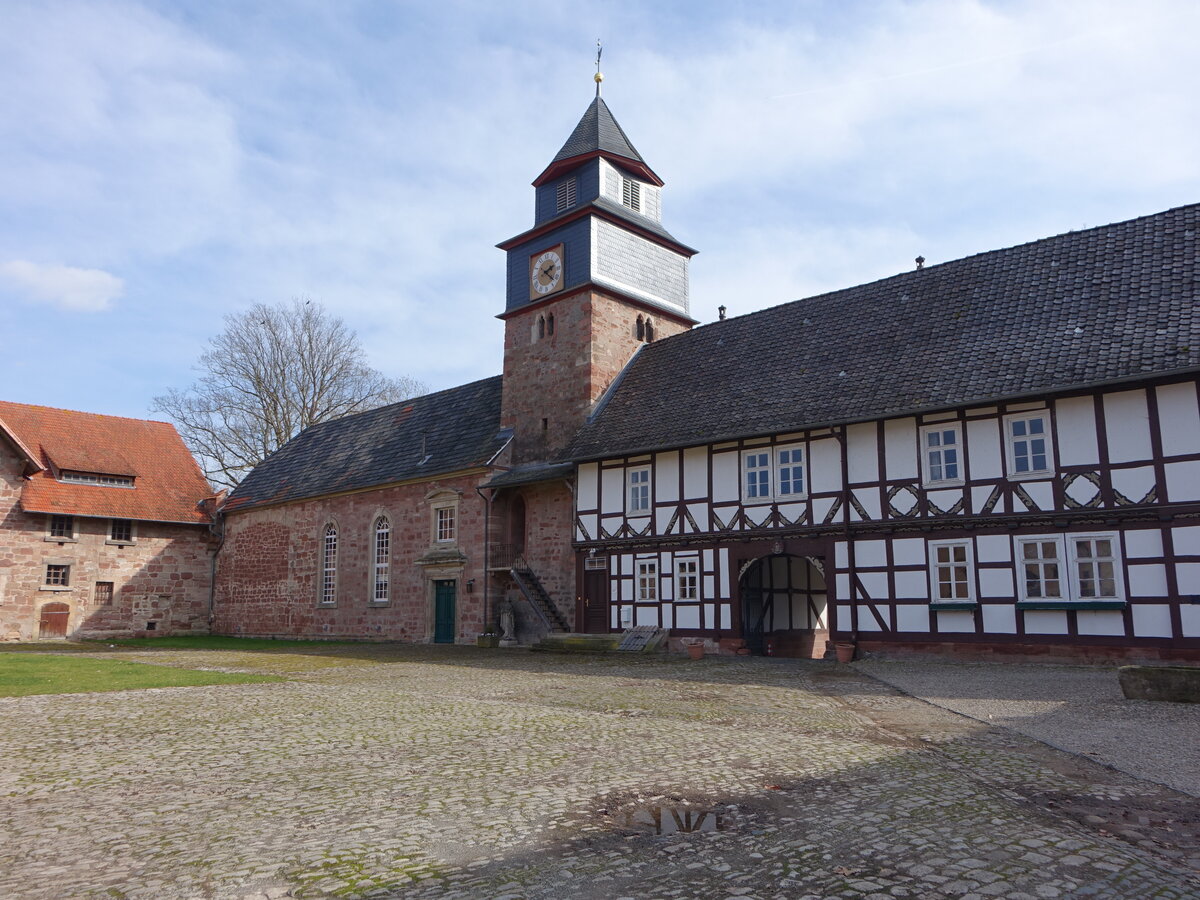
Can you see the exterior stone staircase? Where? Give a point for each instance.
(535, 594)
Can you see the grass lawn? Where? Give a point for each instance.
(51, 673)
(218, 642)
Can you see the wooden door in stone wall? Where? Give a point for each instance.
(53, 621)
(443, 612)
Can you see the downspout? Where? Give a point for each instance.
(487, 554)
(217, 528)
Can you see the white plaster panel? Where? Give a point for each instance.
(1178, 418)
(996, 584)
(992, 548)
(866, 619)
(820, 509)
(945, 499)
(1024, 405)
(666, 589)
(666, 477)
(626, 590)
(791, 511)
(843, 586)
(1148, 581)
(758, 514)
(912, 585)
(687, 617)
(824, 466)
(662, 518)
(1145, 542)
(1077, 445)
(668, 615)
(708, 560)
(841, 557)
(1183, 481)
(1189, 619)
(1045, 621)
(843, 618)
(869, 498)
(615, 613)
(1127, 426)
(612, 524)
(956, 622)
(1151, 619)
(612, 490)
(724, 558)
(1133, 483)
(592, 525)
(979, 498)
(1186, 540)
(646, 615)
(908, 552)
(708, 587)
(1041, 493)
(983, 441)
(863, 452)
(900, 448)
(695, 473)
(585, 492)
(1187, 575)
(870, 553)
(912, 618)
(725, 615)
(626, 564)
(999, 619)
(1100, 621)
(875, 584)
(725, 477)
(699, 512)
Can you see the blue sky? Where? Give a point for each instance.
(164, 164)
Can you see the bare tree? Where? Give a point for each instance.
(274, 371)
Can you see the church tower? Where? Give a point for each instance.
(595, 278)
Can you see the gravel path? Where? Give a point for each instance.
(1074, 708)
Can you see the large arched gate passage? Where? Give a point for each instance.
(785, 603)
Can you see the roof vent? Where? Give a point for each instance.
(721, 313)
(920, 262)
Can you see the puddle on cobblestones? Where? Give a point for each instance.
(672, 820)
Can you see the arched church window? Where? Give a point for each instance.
(383, 558)
(641, 329)
(541, 327)
(329, 565)
(649, 331)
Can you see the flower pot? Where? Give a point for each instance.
(845, 651)
(487, 640)
(695, 651)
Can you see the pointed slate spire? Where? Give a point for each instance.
(598, 131)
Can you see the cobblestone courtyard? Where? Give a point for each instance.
(455, 772)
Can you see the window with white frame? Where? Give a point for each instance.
(121, 531)
(950, 572)
(329, 548)
(62, 527)
(639, 490)
(1094, 567)
(1029, 448)
(445, 524)
(1041, 574)
(773, 473)
(647, 581)
(941, 453)
(687, 579)
(382, 567)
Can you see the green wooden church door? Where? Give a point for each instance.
(443, 612)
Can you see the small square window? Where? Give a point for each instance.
(62, 527)
(104, 593)
(58, 575)
(951, 578)
(941, 454)
(1041, 573)
(121, 530)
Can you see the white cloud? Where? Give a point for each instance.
(67, 287)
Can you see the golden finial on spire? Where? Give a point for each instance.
(599, 75)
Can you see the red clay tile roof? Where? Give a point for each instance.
(167, 483)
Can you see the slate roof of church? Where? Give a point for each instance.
(439, 433)
(168, 485)
(598, 130)
(1089, 307)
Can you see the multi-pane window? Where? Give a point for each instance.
(773, 474)
(1029, 444)
(942, 453)
(647, 581)
(687, 579)
(950, 571)
(631, 194)
(639, 490)
(383, 539)
(62, 526)
(329, 565)
(791, 471)
(444, 526)
(1041, 569)
(1095, 568)
(58, 575)
(566, 194)
(120, 530)
(96, 478)
(104, 593)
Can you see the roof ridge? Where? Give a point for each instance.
(83, 412)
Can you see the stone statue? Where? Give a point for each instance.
(508, 625)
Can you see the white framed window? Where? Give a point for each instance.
(631, 194)
(647, 580)
(125, 481)
(1028, 444)
(329, 548)
(120, 531)
(61, 528)
(687, 579)
(773, 473)
(1095, 566)
(381, 589)
(1041, 573)
(445, 527)
(566, 194)
(638, 481)
(941, 454)
(951, 572)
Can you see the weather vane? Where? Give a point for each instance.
(599, 74)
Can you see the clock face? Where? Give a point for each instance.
(546, 272)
